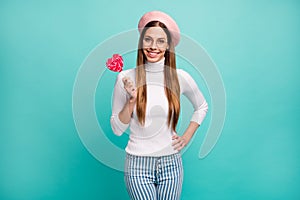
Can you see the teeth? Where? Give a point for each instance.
(152, 54)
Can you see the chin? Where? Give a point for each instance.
(153, 60)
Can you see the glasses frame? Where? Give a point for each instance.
(150, 43)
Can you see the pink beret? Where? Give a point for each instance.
(165, 19)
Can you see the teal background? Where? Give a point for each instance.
(255, 45)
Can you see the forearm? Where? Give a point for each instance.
(190, 131)
(126, 112)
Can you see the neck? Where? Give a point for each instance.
(155, 66)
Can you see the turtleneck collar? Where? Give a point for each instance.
(156, 66)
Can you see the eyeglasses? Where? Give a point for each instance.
(160, 42)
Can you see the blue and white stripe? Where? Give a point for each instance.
(154, 178)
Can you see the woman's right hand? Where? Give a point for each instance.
(130, 88)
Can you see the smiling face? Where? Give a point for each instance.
(155, 43)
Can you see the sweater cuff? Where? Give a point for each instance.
(118, 127)
(198, 117)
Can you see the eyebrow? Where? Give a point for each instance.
(157, 38)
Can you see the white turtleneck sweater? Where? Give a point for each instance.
(155, 137)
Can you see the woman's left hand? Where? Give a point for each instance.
(179, 142)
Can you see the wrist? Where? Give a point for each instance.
(187, 137)
(131, 105)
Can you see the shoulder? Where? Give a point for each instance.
(183, 75)
(128, 72)
(186, 81)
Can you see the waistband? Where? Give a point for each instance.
(165, 157)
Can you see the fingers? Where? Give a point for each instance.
(133, 97)
(175, 137)
(127, 81)
(129, 86)
(132, 93)
(179, 143)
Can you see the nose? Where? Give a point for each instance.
(153, 45)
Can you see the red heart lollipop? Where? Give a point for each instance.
(115, 63)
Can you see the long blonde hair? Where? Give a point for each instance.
(172, 88)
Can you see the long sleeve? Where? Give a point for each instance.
(190, 89)
(119, 100)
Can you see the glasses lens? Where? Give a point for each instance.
(160, 43)
(147, 41)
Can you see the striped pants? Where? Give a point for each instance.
(153, 178)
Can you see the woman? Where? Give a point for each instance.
(153, 166)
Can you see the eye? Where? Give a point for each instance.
(161, 41)
(147, 39)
